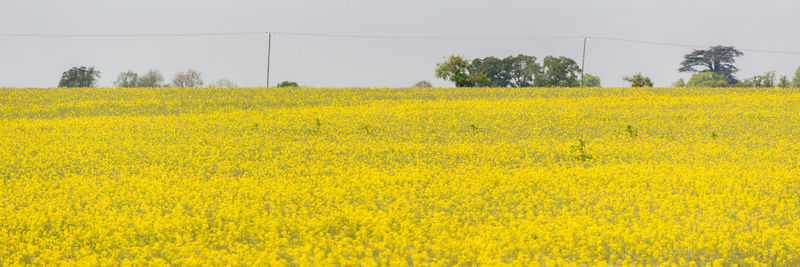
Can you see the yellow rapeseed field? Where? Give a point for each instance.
(488, 176)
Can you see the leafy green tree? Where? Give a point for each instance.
(558, 71)
(512, 71)
(288, 84)
(127, 79)
(79, 77)
(708, 79)
(151, 78)
(796, 79)
(717, 59)
(460, 71)
(638, 80)
(679, 83)
(591, 80)
(422, 84)
(522, 70)
(495, 69)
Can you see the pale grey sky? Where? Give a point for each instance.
(338, 62)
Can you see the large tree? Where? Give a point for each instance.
(558, 71)
(522, 70)
(79, 77)
(512, 71)
(717, 59)
(458, 70)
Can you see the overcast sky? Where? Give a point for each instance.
(359, 62)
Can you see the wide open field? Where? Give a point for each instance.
(399, 176)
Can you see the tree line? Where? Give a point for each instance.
(712, 67)
(514, 71)
(84, 76)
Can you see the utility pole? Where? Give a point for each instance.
(583, 58)
(269, 50)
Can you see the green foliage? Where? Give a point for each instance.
(591, 80)
(580, 148)
(638, 80)
(512, 71)
(679, 83)
(717, 59)
(632, 132)
(708, 79)
(558, 71)
(422, 84)
(366, 129)
(784, 82)
(288, 84)
(151, 78)
(317, 126)
(766, 80)
(796, 79)
(475, 129)
(127, 79)
(79, 77)
(460, 71)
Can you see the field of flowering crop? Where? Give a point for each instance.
(302, 176)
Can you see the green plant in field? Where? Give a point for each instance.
(580, 148)
(317, 126)
(632, 132)
(475, 129)
(254, 127)
(366, 129)
(714, 134)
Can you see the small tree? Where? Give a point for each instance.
(79, 77)
(638, 80)
(783, 82)
(127, 79)
(222, 83)
(591, 80)
(288, 84)
(766, 80)
(152, 78)
(679, 83)
(190, 78)
(796, 79)
(422, 84)
(708, 79)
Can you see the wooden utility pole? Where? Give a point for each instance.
(269, 51)
(583, 58)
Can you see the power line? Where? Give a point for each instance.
(306, 34)
(427, 37)
(85, 35)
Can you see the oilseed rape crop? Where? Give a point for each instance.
(414, 176)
